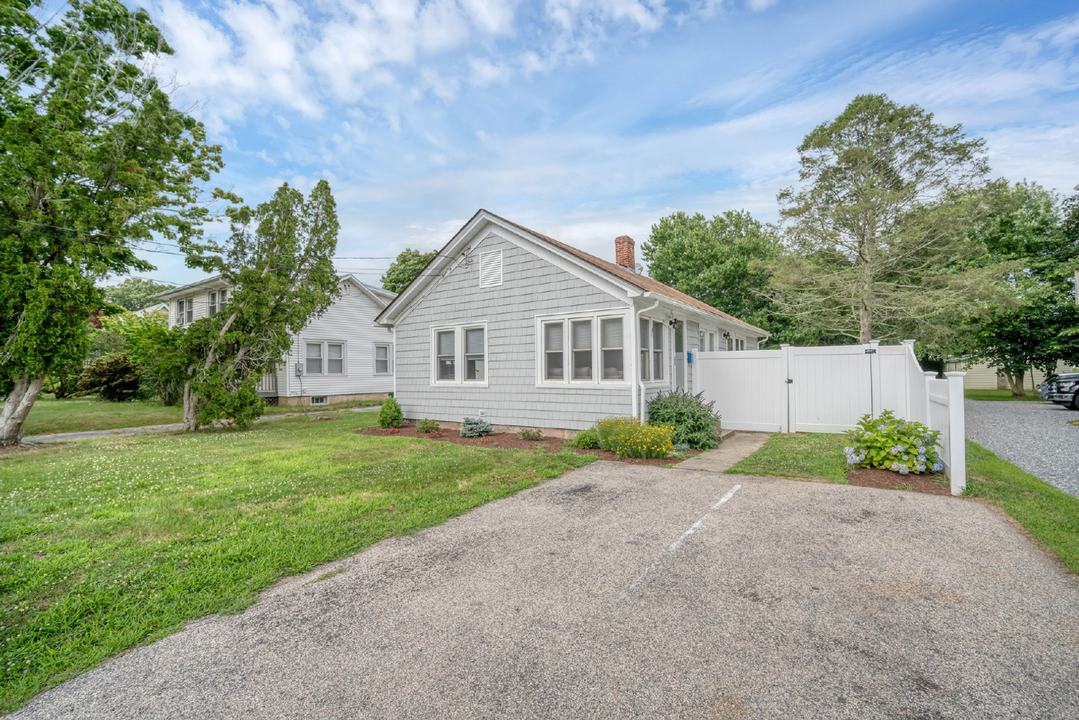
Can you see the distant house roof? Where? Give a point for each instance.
(380, 296)
(157, 307)
(625, 275)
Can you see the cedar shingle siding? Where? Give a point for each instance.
(530, 287)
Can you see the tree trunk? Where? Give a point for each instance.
(17, 407)
(1018, 391)
(190, 405)
(865, 322)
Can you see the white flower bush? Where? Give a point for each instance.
(891, 443)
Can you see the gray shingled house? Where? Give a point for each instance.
(515, 327)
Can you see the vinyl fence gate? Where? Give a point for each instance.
(828, 389)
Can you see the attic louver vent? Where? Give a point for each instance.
(491, 269)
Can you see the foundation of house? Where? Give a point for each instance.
(305, 400)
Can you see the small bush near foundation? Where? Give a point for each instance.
(891, 443)
(426, 426)
(530, 434)
(587, 439)
(628, 437)
(475, 427)
(390, 415)
(695, 421)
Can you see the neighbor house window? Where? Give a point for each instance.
(475, 352)
(185, 311)
(324, 358)
(446, 344)
(217, 301)
(700, 341)
(610, 340)
(314, 359)
(711, 342)
(657, 351)
(553, 351)
(335, 359)
(382, 359)
(581, 338)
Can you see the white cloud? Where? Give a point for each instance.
(485, 73)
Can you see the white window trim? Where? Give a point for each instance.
(459, 356)
(596, 316)
(667, 354)
(325, 358)
(389, 359)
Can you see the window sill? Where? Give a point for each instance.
(582, 383)
(460, 383)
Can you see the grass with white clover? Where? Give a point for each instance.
(113, 543)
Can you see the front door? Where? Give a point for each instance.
(679, 356)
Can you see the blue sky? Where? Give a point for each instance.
(588, 119)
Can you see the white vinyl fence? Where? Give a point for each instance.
(828, 389)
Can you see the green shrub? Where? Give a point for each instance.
(426, 426)
(112, 377)
(530, 434)
(626, 436)
(891, 443)
(587, 439)
(390, 415)
(475, 427)
(695, 422)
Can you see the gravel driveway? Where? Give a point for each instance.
(1035, 436)
(620, 591)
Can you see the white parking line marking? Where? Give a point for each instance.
(674, 546)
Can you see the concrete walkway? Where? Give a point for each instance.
(734, 449)
(170, 427)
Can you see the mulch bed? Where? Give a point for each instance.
(933, 484)
(509, 441)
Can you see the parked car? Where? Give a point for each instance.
(1047, 386)
(1065, 390)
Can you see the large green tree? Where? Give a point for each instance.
(135, 293)
(725, 261)
(94, 159)
(1025, 234)
(876, 241)
(405, 268)
(278, 262)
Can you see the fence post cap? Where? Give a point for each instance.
(955, 373)
(874, 343)
(784, 345)
(907, 342)
(929, 373)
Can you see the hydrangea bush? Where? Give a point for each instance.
(891, 443)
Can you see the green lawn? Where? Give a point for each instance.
(815, 456)
(112, 543)
(1048, 514)
(999, 395)
(76, 414)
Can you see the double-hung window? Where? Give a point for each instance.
(711, 342)
(700, 340)
(217, 301)
(554, 364)
(610, 340)
(457, 348)
(382, 359)
(581, 350)
(475, 354)
(581, 337)
(446, 344)
(324, 358)
(652, 349)
(185, 308)
(657, 350)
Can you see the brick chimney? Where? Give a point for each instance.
(623, 252)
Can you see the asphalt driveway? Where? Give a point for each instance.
(1035, 436)
(619, 591)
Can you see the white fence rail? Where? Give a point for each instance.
(828, 389)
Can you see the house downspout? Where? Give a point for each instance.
(638, 385)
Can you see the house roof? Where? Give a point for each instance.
(619, 273)
(380, 296)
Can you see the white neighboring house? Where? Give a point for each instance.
(157, 307)
(340, 356)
